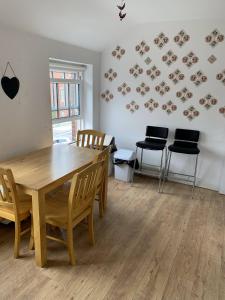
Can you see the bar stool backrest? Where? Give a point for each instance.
(187, 135)
(157, 132)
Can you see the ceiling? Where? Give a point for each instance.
(94, 23)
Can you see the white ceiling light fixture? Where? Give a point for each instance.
(121, 8)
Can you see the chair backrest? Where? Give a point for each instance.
(8, 192)
(83, 190)
(187, 135)
(157, 132)
(104, 157)
(90, 139)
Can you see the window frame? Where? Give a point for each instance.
(68, 69)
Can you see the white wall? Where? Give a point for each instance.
(25, 122)
(130, 127)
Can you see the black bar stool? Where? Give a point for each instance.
(155, 140)
(186, 142)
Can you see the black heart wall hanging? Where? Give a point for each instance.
(10, 85)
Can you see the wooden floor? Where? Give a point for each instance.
(148, 246)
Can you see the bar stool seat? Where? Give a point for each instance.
(152, 144)
(184, 147)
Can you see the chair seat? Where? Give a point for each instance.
(152, 144)
(184, 147)
(24, 210)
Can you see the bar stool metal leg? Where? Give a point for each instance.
(168, 166)
(134, 166)
(195, 173)
(160, 171)
(165, 169)
(141, 159)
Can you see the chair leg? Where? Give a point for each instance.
(168, 167)
(134, 166)
(141, 159)
(101, 203)
(70, 246)
(17, 239)
(31, 243)
(91, 229)
(195, 173)
(160, 171)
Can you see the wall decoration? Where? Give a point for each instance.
(107, 96)
(148, 60)
(181, 38)
(124, 89)
(153, 72)
(162, 88)
(198, 78)
(221, 77)
(169, 57)
(118, 52)
(132, 106)
(151, 105)
(142, 48)
(110, 75)
(190, 59)
(212, 59)
(222, 111)
(214, 38)
(161, 40)
(169, 107)
(143, 89)
(176, 76)
(191, 113)
(208, 101)
(184, 94)
(136, 71)
(121, 8)
(10, 85)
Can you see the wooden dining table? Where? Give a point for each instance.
(42, 171)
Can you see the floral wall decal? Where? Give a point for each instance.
(161, 40)
(208, 101)
(214, 38)
(142, 48)
(110, 75)
(124, 89)
(169, 107)
(162, 88)
(184, 94)
(107, 96)
(132, 106)
(151, 105)
(198, 78)
(191, 113)
(136, 70)
(169, 58)
(118, 52)
(181, 38)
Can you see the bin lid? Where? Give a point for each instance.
(124, 154)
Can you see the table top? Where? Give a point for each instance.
(41, 168)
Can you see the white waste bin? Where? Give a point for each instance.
(123, 160)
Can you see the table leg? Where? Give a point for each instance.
(38, 210)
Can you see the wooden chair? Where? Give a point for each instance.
(14, 206)
(90, 139)
(69, 205)
(102, 180)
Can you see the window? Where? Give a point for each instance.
(66, 86)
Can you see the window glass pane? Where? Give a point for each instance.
(80, 75)
(74, 92)
(58, 75)
(62, 90)
(69, 75)
(63, 113)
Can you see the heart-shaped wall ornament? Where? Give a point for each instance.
(10, 86)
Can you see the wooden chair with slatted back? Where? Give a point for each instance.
(90, 139)
(101, 195)
(13, 205)
(71, 204)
